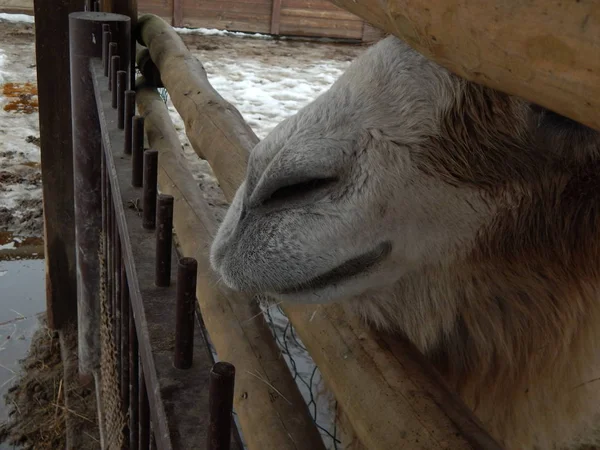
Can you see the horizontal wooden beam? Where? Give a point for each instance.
(393, 399)
(267, 400)
(547, 52)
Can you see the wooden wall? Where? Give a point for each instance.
(309, 18)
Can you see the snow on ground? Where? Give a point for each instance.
(266, 79)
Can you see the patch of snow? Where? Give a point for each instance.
(216, 32)
(18, 18)
(9, 246)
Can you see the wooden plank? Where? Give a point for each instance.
(177, 13)
(391, 398)
(234, 321)
(275, 16)
(54, 92)
(247, 25)
(545, 52)
(339, 14)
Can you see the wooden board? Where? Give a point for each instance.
(547, 52)
(318, 18)
(236, 15)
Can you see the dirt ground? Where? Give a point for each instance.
(39, 413)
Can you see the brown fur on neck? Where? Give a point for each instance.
(520, 312)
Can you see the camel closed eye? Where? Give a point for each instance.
(298, 190)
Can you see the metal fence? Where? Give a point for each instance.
(139, 328)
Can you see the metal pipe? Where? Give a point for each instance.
(121, 87)
(115, 64)
(128, 118)
(187, 271)
(106, 38)
(150, 188)
(164, 240)
(220, 401)
(112, 51)
(137, 156)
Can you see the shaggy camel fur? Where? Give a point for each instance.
(461, 217)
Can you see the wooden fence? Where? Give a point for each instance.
(310, 18)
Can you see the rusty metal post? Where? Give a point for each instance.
(137, 156)
(106, 39)
(133, 384)
(128, 118)
(150, 188)
(121, 88)
(222, 380)
(115, 64)
(164, 240)
(112, 51)
(144, 412)
(187, 271)
(85, 29)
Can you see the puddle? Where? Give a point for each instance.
(22, 299)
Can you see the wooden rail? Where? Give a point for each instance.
(547, 52)
(392, 397)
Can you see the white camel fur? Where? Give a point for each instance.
(461, 217)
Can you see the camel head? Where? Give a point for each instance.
(398, 167)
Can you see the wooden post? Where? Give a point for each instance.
(275, 17)
(545, 52)
(177, 13)
(54, 93)
(83, 28)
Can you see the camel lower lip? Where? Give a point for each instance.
(344, 271)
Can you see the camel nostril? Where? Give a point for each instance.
(298, 190)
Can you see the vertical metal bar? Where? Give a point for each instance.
(121, 87)
(109, 249)
(115, 64)
(133, 384)
(137, 157)
(186, 307)
(112, 51)
(128, 118)
(106, 38)
(144, 412)
(150, 189)
(220, 401)
(124, 343)
(85, 30)
(118, 294)
(164, 240)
